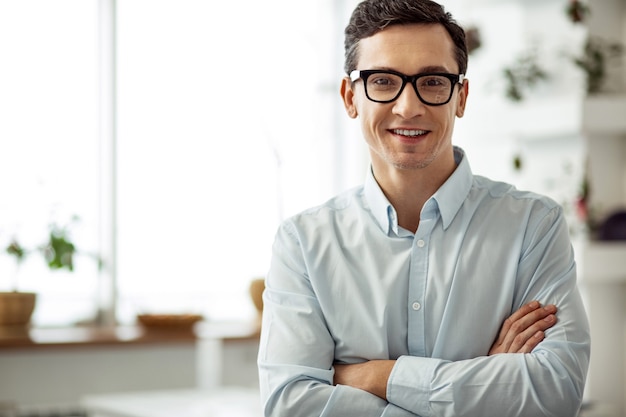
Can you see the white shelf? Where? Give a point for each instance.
(605, 114)
(566, 116)
(603, 262)
(547, 118)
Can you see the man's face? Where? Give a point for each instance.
(406, 133)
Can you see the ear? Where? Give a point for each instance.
(347, 94)
(463, 92)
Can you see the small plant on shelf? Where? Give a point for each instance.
(524, 74)
(577, 11)
(58, 251)
(596, 56)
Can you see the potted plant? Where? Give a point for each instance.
(58, 250)
(595, 59)
(577, 11)
(523, 75)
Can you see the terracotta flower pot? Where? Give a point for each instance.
(16, 308)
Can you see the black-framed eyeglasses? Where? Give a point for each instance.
(385, 86)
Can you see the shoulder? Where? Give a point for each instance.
(505, 204)
(502, 193)
(343, 207)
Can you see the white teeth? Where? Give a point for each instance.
(406, 132)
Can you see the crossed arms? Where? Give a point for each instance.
(520, 333)
(429, 386)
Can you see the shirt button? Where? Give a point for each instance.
(416, 306)
(421, 243)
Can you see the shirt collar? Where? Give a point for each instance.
(451, 195)
(448, 198)
(381, 208)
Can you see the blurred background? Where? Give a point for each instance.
(166, 139)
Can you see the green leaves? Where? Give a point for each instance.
(15, 249)
(523, 74)
(595, 60)
(59, 252)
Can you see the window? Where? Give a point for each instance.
(216, 114)
(48, 150)
(226, 123)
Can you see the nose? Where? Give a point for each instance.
(408, 105)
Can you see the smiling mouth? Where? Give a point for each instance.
(412, 133)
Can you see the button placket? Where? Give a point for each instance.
(417, 286)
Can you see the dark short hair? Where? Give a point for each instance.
(372, 16)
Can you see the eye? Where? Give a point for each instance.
(381, 80)
(433, 81)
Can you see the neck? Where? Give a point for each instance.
(409, 189)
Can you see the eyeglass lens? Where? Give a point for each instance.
(432, 89)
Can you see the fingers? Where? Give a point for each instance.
(524, 332)
(524, 329)
(532, 342)
(506, 326)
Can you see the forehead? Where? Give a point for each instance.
(408, 48)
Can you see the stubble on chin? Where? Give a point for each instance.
(413, 161)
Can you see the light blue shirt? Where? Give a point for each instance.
(346, 283)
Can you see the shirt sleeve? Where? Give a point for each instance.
(548, 381)
(296, 360)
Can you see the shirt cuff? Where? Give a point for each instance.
(409, 385)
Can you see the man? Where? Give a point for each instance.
(428, 291)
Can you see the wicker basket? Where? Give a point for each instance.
(169, 321)
(16, 308)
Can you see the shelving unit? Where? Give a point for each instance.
(605, 114)
(604, 262)
(602, 265)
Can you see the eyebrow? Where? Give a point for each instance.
(430, 68)
(434, 68)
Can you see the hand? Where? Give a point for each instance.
(370, 376)
(524, 330)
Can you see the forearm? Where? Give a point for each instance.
(474, 387)
(503, 385)
(370, 376)
(307, 397)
